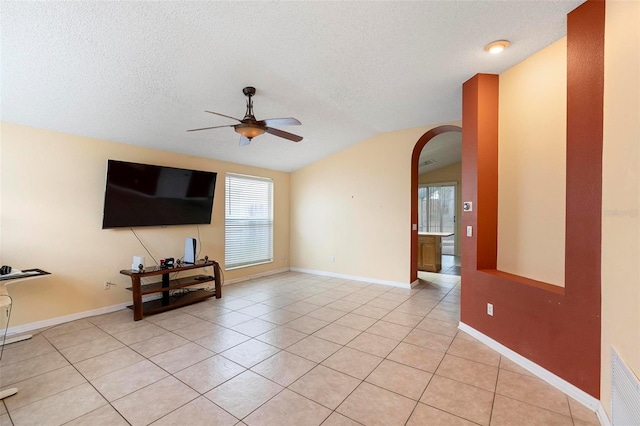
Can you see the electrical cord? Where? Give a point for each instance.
(6, 329)
(145, 247)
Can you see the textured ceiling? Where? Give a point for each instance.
(143, 72)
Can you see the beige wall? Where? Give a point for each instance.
(621, 192)
(532, 166)
(451, 173)
(52, 199)
(356, 206)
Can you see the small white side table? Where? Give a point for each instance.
(5, 303)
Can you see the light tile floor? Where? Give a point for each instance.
(289, 349)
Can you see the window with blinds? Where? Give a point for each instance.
(248, 224)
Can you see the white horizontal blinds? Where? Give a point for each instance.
(248, 220)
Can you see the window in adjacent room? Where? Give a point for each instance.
(437, 212)
(248, 221)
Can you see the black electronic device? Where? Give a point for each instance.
(149, 195)
(5, 270)
(169, 262)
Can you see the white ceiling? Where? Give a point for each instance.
(143, 72)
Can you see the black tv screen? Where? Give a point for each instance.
(147, 195)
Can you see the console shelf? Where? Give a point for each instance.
(165, 286)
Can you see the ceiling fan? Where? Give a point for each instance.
(249, 127)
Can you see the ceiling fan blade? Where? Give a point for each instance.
(222, 115)
(244, 141)
(283, 134)
(280, 122)
(207, 128)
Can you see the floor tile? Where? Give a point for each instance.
(380, 302)
(507, 364)
(221, 340)
(200, 411)
(139, 334)
(582, 413)
(43, 386)
(100, 365)
(372, 405)
(302, 308)
(371, 312)
(231, 319)
(181, 357)
(154, 401)
(470, 372)
(288, 408)
(440, 327)
(77, 337)
(32, 367)
(21, 351)
(88, 350)
(532, 390)
(426, 415)
(507, 412)
(103, 416)
(357, 322)
(416, 356)
(373, 344)
(283, 368)
(209, 373)
(280, 316)
(457, 398)
(389, 330)
(402, 318)
(235, 303)
(59, 408)
(250, 353)
(314, 348)
(178, 321)
(257, 310)
(198, 330)
(159, 344)
(67, 328)
(475, 351)
(337, 334)
(326, 314)
(426, 339)
(343, 305)
(399, 378)
(337, 419)
(244, 393)
(122, 382)
(446, 316)
(281, 337)
(254, 327)
(352, 362)
(325, 386)
(307, 324)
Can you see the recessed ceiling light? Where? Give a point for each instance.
(497, 46)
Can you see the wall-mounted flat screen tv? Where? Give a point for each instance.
(148, 195)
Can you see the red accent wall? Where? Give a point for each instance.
(556, 328)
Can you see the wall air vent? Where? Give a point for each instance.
(625, 393)
(426, 163)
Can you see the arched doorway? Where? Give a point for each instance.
(415, 157)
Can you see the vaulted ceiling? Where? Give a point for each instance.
(143, 72)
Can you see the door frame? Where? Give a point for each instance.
(413, 225)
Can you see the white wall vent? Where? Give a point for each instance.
(625, 393)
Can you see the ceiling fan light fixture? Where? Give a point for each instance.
(497, 46)
(249, 130)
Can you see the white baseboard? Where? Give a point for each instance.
(24, 328)
(544, 374)
(354, 278)
(262, 274)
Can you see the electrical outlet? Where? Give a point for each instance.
(333, 259)
(206, 269)
(490, 309)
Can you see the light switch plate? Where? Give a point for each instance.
(469, 231)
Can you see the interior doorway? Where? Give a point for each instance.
(418, 165)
